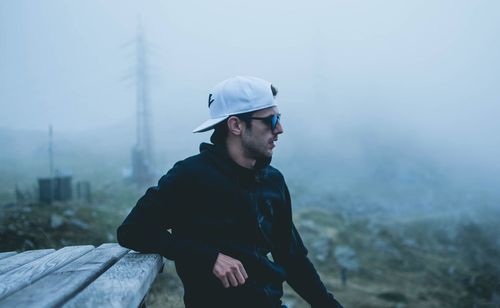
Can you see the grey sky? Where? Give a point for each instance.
(429, 68)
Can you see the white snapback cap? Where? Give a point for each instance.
(237, 95)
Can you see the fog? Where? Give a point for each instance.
(390, 109)
(412, 85)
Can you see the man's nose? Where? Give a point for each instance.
(278, 129)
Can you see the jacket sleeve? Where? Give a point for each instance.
(145, 229)
(301, 274)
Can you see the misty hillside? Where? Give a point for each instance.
(89, 156)
(100, 154)
(408, 232)
(361, 174)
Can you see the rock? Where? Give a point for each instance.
(495, 299)
(80, 224)
(69, 213)
(451, 270)
(384, 247)
(409, 242)
(28, 244)
(394, 296)
(331, 233)
(56, 221)
(308, 225)
(378, 272)
(321, 248)
(346, 257)
(110, 237)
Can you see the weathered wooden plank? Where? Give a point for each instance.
(123, 285)
(26, 274)
(22, 258)
(62, 284)
(7, 254)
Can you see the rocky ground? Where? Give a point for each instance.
(428, 261)
(425, 262)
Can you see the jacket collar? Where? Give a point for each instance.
(219, 152)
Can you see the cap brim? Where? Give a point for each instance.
(209, 124)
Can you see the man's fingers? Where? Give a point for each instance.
(242, 270)
(239, 276)
(232, 279)
(229, 271)
(224, 281)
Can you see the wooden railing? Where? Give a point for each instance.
(77, 276)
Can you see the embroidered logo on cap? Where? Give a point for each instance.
(210, 100)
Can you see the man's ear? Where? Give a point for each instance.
(234, 125)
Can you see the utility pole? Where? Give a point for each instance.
(142, 152)
(51, 153)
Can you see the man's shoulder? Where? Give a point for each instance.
(274, 173)
(191, 163)
(183, 170)
(273, 170)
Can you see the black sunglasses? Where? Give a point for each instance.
(271, 120)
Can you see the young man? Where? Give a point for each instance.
(232, 237)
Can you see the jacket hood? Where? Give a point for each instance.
(221, 152)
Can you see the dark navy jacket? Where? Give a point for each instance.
(212, 205)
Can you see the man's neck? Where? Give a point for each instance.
(236, 153)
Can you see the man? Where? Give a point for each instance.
(232, 236)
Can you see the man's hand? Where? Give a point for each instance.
(229, 271)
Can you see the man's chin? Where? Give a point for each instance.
(267, 154)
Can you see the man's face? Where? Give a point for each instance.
(258, 140)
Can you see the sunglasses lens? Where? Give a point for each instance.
(274, 121)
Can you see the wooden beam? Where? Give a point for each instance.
(7, 254)
(59, 286)
(26, 274)
(22, 258)
(123, 285)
